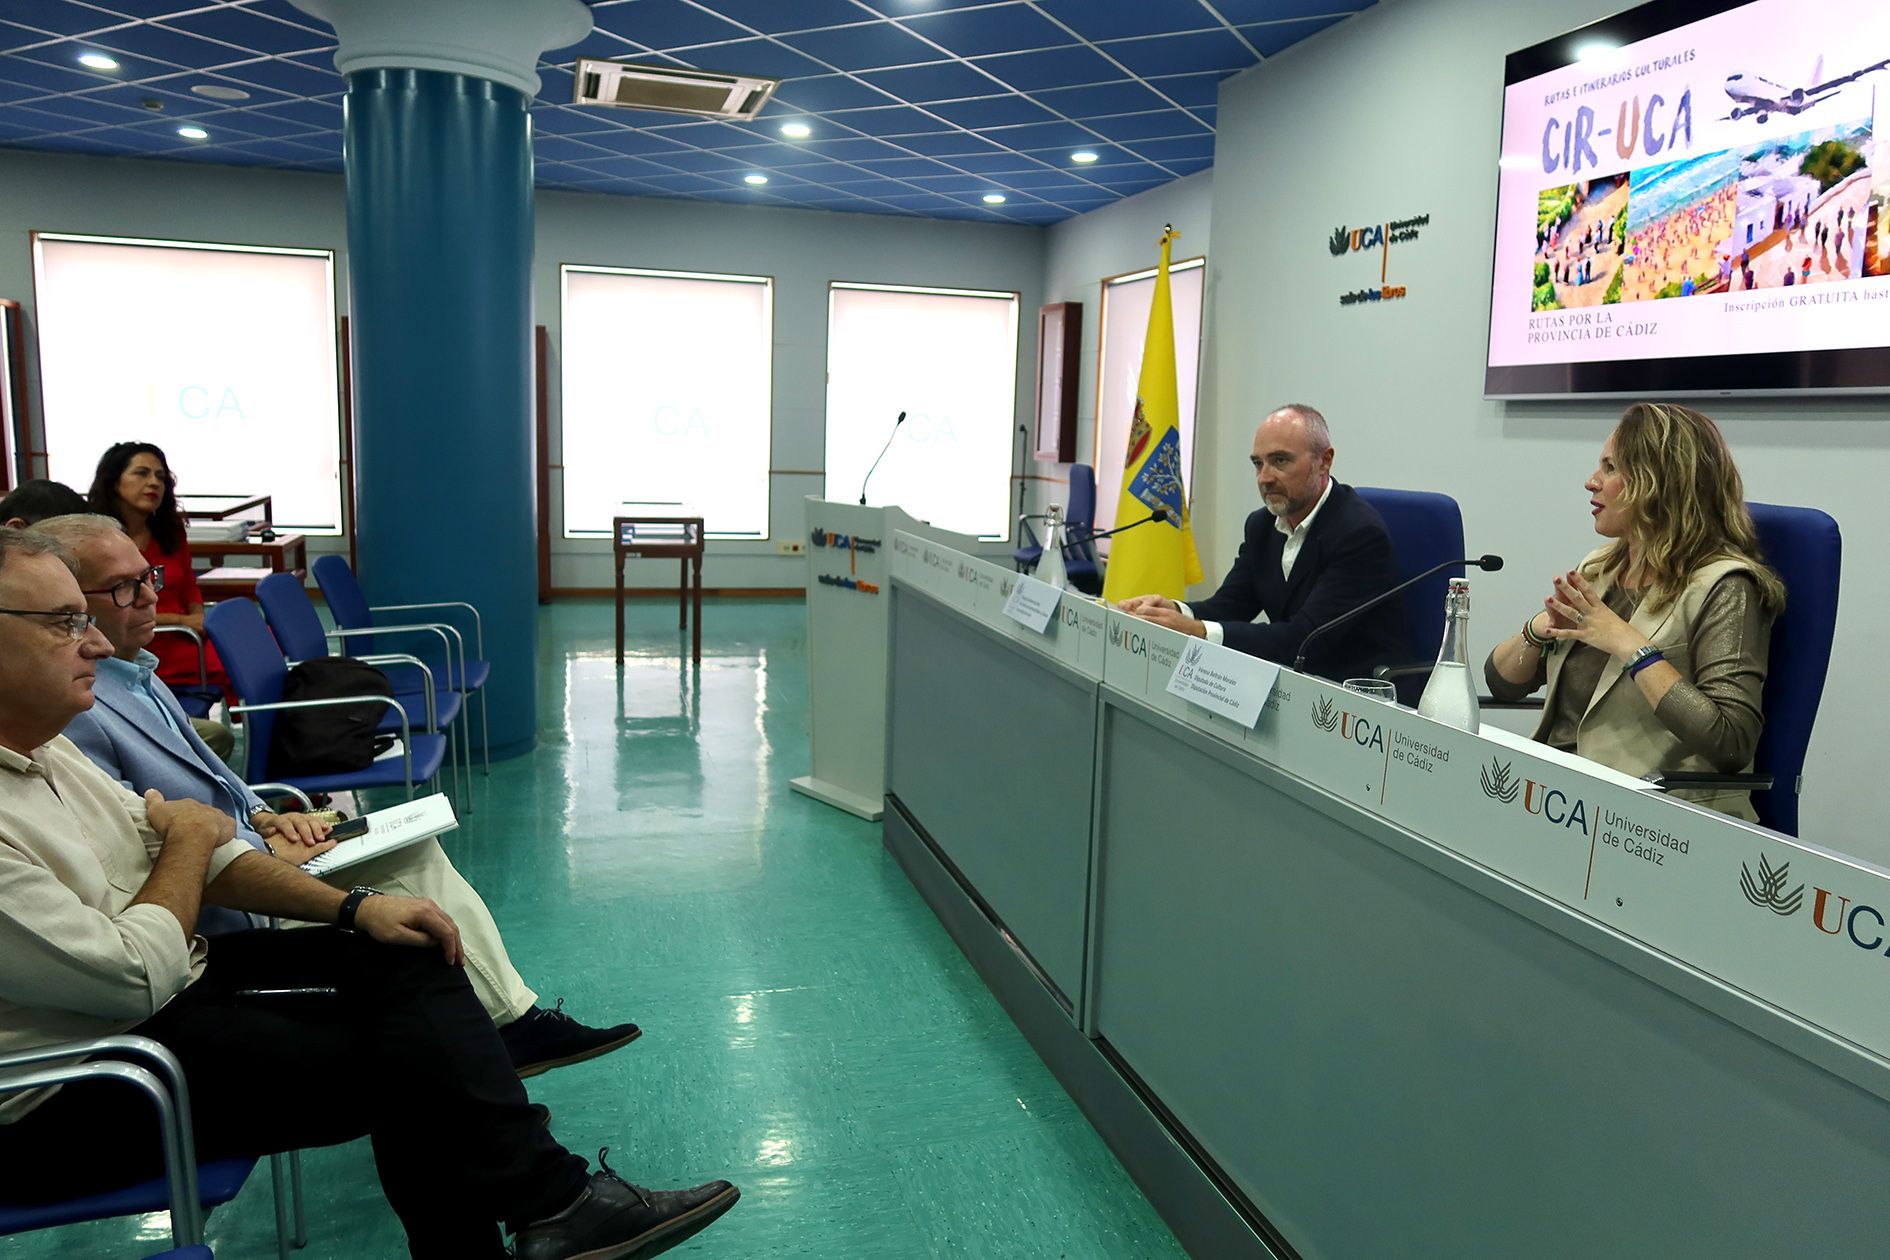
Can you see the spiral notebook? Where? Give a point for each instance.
(389, 830)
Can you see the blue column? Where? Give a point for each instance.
(439, 180)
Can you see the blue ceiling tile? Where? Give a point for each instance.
(994, 163)
(1122, 19)
(76, 144)
(309, 113)
(28, 69)
(684, 183)
(247, 30)
(664, 23)
(953, 183)
(892, 120)
(872, 186)
(1052, 68)
(1045, 183)
(601, 43)
(1189, 166)
(561, 149)
(867, 47)
(906, 167)
(993, 111)
(1247, 12)
(13, 35)
(920, 85)
(1040, 136)
(95, 110)
(62, 17)
(772, 17)
(158, 43)
(859, 149)
(1164, 151)
(634, 143)
(289, 77)
(1181, 54)
(1165, 122)
(832, 91)
(948, 144)
(10, 92)
(1190, 90)
(988, 31)
(621, 167)
(1277, 37)
(1125, 96)
(764, 57)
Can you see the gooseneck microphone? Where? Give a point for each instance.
(1489, 564)
(1155, 517)
(882, 455)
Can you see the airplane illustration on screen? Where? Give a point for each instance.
(1757, 97)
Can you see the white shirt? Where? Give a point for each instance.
(1289, 552)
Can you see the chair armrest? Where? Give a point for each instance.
(283, 789)
(1676, 780)
(329, 703)
(1527, 702)
(440, 628)
(479, 623)
(203, 658)
(160, 1079)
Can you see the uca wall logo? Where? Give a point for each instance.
(1351, 727)
(1551, 804)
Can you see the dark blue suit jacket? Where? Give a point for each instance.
(1345, 560)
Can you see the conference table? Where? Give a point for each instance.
(1345, 983)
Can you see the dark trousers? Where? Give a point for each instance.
(402, 1053)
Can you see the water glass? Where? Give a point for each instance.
(1375, 688)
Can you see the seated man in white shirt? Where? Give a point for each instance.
(1315, 551)
(135, 733)
(99, 897)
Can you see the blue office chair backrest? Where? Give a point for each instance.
(255, 665)
(1426, 529)
(1081, 516)
(347, 601)
(292, 616)
(1803, 545)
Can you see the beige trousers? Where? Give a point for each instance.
(424, 870)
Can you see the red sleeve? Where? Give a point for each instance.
(180, 579)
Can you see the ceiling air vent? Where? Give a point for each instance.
(703, 93)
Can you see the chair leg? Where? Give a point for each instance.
(300, 1237)
(277, 1183)
(485, 733)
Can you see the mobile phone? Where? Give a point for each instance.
(350, 829)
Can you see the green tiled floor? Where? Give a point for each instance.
(811, 1033)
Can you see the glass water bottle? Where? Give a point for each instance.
(1451, 694)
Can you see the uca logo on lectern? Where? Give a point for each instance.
(1767, 890)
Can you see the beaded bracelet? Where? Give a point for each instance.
(1532, 638)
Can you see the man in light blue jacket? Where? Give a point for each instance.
(140, 736)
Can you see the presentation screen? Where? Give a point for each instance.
(1691, 199)
(224, 356)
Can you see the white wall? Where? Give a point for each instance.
(1081, 253)
(1396, 113)
(802, 249)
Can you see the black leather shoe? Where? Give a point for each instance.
(614, 1220)
(541, 1039)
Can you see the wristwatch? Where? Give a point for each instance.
(344, 917)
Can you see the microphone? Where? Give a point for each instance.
(1489, 564)
(882, 455)
(1155, 517)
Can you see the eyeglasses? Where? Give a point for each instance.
(74, 624)
(125, 593)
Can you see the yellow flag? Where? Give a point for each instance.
(1158, 558)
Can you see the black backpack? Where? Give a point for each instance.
(334, 739)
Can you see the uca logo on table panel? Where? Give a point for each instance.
(843, 542)
(1832, 913)
(1351, 727)
(1602, 824)
(1127, 639)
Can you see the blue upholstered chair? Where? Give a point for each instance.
(1804, 546)
(1426, 529)
(352, 612)
(299, 632)
(1079, 517)
(257, 667)
(187, 1189)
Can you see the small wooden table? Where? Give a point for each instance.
(287, 554)
(663, 538)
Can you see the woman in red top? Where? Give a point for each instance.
(134, 484)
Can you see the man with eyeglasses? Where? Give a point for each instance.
(134, 734)
(37, 500)
(99, 898)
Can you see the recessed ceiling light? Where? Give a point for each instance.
(220, 92)
(193, 133)
(754, 179)
(796, 131)
(97, 61)
(1084, 155)
(994, 199)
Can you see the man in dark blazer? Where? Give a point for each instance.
(1316, 551)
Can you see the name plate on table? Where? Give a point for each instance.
(1032, 604)
(1221, 680)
